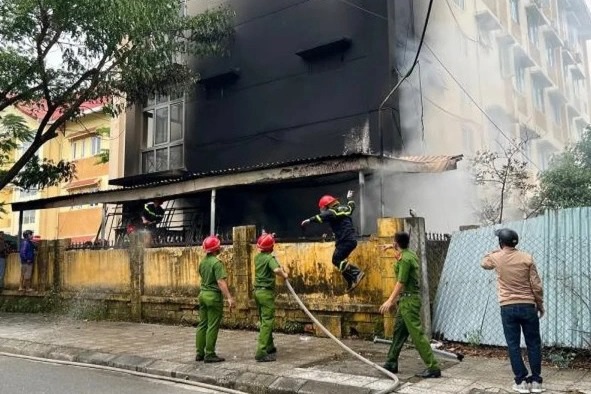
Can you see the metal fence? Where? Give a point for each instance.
(436, 248)
(466, 305)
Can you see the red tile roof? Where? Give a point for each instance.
(38, 110)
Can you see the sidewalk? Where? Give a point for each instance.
(305, 364)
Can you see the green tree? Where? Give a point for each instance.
(502, 174)
(57, 54)
(567, 181)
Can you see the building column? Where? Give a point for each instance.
(212, 213)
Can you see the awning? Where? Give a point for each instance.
(260, 174)
(82, 183)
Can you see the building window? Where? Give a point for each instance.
(556, 112)
(24, 194)
(519, 78)
(505, 61)
(515, 10)
(78, 149)
(163, 134)
(551, 56)
(29, 217)
(533, 31)
(95, 145)
(460, 3)
(538, 96)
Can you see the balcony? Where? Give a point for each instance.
(522, 56)
(487, 18)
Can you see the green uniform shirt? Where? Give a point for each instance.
(407, 271)
(264, 275)
(211, 270)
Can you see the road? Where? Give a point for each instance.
(20, 376)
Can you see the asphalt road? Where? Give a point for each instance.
(19, 376)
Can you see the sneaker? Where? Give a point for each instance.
(213, 359)
(429, 374)
(266, 358)
(521, 387)
(356, 282)
(199, 358)
(536, 387)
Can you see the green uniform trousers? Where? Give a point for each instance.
(265, 300)
(211, 311)
(408, 322)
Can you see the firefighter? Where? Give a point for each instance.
(211, 303)
(339, 217)
(406, 295)
(153, 214)
(266, 268)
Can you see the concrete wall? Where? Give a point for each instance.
(162, 284)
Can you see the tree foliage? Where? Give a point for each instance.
(37, 174)
(503, 174)
(567, 181)
(56, 55)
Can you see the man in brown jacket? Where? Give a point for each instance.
(521, 298)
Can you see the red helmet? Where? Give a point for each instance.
(211, 244)
(266, 242)
(325, 201)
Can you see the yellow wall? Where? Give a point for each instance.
(94, 270)
(170, 280)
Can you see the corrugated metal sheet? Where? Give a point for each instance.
(466, 306)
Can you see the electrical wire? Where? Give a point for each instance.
(416, 59)
(459, 85)
(480, 108)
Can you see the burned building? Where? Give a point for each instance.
(294, 112)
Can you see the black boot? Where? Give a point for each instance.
(428, 373)
(213, 359)
(356, 276)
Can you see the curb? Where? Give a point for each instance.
(296, 380)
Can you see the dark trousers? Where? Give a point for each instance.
(339, 259)
(517, 318)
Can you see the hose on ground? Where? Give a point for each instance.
(342, 345)
(127, 371)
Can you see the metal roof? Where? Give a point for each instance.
(185, 183)
(466, 307)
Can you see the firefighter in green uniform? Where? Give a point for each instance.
(266, 268)
(211, 304)
(408, 320)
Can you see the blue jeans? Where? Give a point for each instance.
(518, 317)
(2, 270)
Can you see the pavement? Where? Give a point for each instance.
(304, 364)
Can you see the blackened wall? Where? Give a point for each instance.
(282, 107)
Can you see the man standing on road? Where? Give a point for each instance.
(266, 269)
(211, 303)
(521, 297)
(408, 316)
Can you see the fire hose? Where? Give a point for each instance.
(342, 345)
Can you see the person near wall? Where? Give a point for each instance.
(266, 268)
(211, 303)
(152, 215)
(27, 255)
(407, 295)
(3, 255)
(520, 294)
(339, 217)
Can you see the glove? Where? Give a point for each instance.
(305, 222)
(350, 194)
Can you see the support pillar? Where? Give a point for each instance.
(212, 213)
(136, 262)
(362, 203)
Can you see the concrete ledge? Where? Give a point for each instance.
(293, 381)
